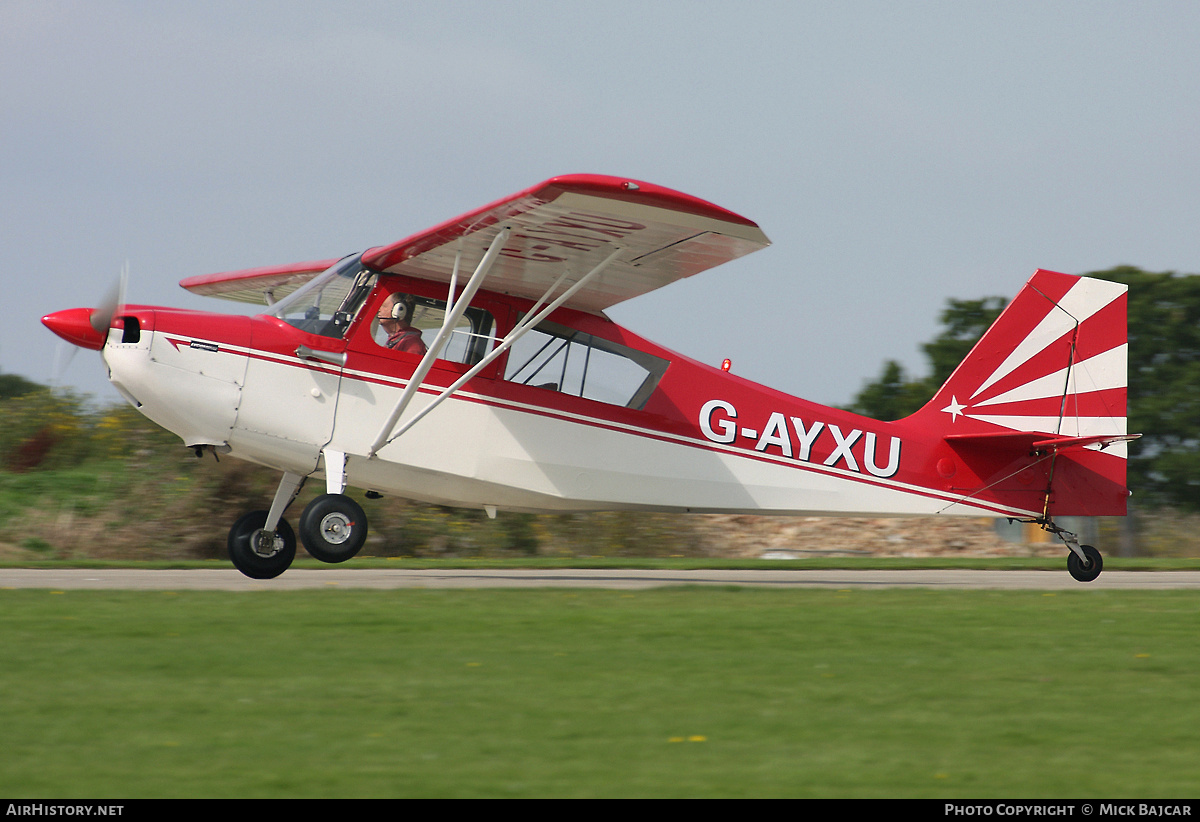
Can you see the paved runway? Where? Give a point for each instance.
(296, 579)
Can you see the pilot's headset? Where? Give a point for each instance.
(403, 308)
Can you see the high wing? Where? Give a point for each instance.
(565, 225)
(256, 285)
(575, 222)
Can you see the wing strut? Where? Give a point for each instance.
(529, 321)
(451, 320)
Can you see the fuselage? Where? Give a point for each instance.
(684, 437)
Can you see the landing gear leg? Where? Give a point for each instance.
(285, 495)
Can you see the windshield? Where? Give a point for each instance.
(328, 303)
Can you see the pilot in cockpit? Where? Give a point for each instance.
(395, 316)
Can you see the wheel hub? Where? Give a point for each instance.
(336, 528)
(266, 544)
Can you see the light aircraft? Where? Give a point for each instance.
(519, 394)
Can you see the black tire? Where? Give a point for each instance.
(1085, 572)
(333, 528)
(243, 538)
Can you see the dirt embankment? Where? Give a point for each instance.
(751, 536)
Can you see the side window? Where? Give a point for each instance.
(562, 359)
(411, 324)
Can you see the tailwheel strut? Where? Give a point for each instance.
(1084, 563)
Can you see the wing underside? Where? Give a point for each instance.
(256, 285)
(558, 230)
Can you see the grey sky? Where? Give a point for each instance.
(896, 153)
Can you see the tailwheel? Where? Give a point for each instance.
(258, 553)
(1085, 570)
(333, 528)
(1084, 562)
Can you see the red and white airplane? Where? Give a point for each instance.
(520, 394)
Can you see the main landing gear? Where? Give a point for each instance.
(260, 553)
(262, 544)
(333, 527)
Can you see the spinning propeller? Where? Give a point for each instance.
(102, 315)
(88, 327)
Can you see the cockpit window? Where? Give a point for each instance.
(571, 362)
(328, 303)
(417, 320)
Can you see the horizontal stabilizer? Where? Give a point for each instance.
(1035, 441)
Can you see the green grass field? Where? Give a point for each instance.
(673, 692)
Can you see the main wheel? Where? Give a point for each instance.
(333, 527)
(260, 554)
(1085, 571)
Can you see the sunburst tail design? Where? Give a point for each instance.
(1043, 396)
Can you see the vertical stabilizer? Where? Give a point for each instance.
(1049, 380)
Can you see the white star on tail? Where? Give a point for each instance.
(954, 409)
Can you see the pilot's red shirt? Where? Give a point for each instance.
(407, 340)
